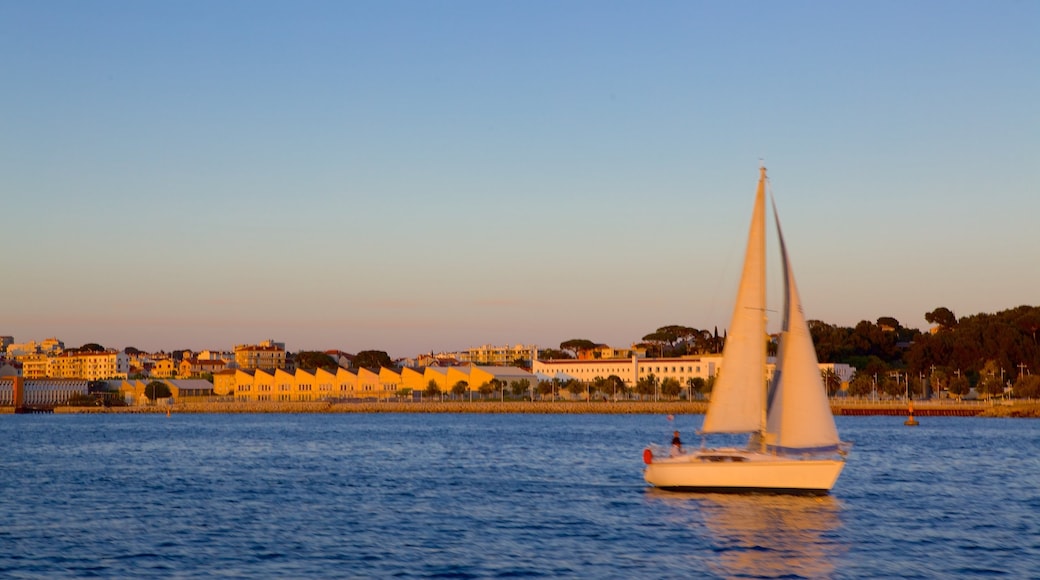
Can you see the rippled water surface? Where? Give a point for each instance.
(281, 496)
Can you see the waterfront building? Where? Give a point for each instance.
(505, 375)
(413, 379)
(683, 369)
(390, 381)
(163, 368)
(134, 391)
(368, 384)
(487, 354)
(268, 355)
(15, 350)
(224, 382)
(34, 366)
(195, 367)
(52, 346)
(439, 375)
(110, 364)
(43, 391)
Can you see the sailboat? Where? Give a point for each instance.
(793, 444)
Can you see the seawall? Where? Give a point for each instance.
(921, 408)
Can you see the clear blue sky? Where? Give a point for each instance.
(431, 175)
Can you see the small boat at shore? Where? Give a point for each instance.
(793, 444)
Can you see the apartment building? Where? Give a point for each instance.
(267, 355)
(485, 355)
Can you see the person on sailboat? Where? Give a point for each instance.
(676, 444)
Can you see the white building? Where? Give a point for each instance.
(682, 369)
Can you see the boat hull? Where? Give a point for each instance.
(743, 472)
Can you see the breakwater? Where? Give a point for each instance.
(921, 408)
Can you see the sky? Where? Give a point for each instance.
(415, 176)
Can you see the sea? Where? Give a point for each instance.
(496, 496)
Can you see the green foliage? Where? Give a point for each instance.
(519, 387)
(312, 359)
(959, 386)
(1027, 387)
(432, 389)
(831, 381)
(574, 387)
(942, 317)
(372, 359)
(459, 388)
(576, 345)
(671, 387)
(647, 386)
(544, 388)
(404, 392)
(553, 354)
(1007, 338)
(91, 347)
(861, 385)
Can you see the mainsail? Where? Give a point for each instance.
(738, 396)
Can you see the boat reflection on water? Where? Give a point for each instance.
(766, 536)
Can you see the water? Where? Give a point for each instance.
(475, 496)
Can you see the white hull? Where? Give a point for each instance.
(733, 470)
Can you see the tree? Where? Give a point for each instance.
(574, 387)
(943, 317)
(312, 359)
(576, 345)
(709, 385)
(671, 387)
(459, 388)
(861, 385)
(486, 389)
(157, 390)
(432, 389)
(831, 381)
(888, 322)
(991, 379)
(544, 388)
(697, 385)
(553, 354)
(404, 392)
(1027, 387)
(1029, 322)
(647, 386)
(91, 347)
(372, 359)
(519, 387)
(959, 386)
(939, 381)
(891, 386)
(671, 335)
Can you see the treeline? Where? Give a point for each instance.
(994, 354)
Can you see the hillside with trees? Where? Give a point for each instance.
(988, 352)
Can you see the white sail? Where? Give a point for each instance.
(738, 396)
(799, 414)
(788, 421)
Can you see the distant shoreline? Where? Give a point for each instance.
(921, 408)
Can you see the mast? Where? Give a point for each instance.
(763, 426)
